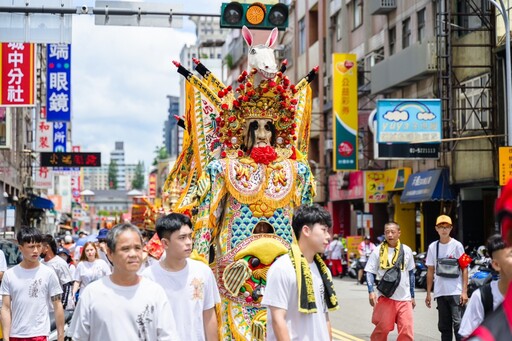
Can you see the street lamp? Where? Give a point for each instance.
(508, 68)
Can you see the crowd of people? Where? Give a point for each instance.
(175, 298)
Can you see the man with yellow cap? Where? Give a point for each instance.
(447, 258)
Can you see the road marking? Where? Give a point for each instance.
(339, 335)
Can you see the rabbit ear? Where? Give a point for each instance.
(247, 35)
(272, 38)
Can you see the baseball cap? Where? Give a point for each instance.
(62, 250)
(443, 219)
(367, 237)
(68, 239)
(103, 233)
(84, 232)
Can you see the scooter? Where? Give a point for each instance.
(420, 272)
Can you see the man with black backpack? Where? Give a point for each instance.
(393, 301)
(488, 297)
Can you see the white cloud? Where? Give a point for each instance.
(120, 79)
(396, 115)
(425, 116)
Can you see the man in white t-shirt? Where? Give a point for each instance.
(449, 292)
(290, 315)
(189, 284)
(501, 262)
(59, 265)
(123, 306)
(398, 307)
(27, 290)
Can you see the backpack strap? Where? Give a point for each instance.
(487, 298)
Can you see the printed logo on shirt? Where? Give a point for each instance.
(198, 289)
(143, 319)
(34, 288)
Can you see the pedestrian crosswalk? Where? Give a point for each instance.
(342, 336)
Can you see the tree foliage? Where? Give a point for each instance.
(138, 179)
(160, 154)
(112, 175)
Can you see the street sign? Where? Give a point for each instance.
(58, 83)
(39, 28)
(113, 14)
(505, 160)
(70, 159)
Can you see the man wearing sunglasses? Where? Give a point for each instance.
(446, 257)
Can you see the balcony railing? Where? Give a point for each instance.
(381, 6)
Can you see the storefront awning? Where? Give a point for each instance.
(432, 185)
(41, 203)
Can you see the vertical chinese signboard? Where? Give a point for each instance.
(17, 65)
(152, 184)
(59, 136)
(344, 112)
(58, 97)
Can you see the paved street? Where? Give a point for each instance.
(353, 320)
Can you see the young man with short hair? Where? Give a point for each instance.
(450, 292)
(59, 265)
(189, 284)
(398, 307)
(123, 306)
(27, 290)
(501, 262)
(294, 315)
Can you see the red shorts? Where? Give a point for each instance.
(32, 338)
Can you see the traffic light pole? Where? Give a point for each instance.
(96, 11)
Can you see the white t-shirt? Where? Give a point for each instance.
(366, 249)
(403, 291)
(107, 311)
(190, 291)
(3, 268)
(30, 291)
(281, 292)
(61, 269)
(335, 249)
(87, 272)
(445, 286)
(474, 313)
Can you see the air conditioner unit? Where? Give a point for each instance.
(280, 54)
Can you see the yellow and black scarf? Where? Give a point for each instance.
(383, 256)
(306, 293)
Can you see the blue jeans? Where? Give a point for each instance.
(450, 314)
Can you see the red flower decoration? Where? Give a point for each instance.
(264, 155)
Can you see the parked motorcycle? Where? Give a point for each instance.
(420, 271)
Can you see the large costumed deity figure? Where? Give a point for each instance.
(242, 171)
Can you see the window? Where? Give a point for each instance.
(471, 13)
(302, 36)
(421, 25)
(406, 33)
(473, 112)
(358, 13)
(392, 40)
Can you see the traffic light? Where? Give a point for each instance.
(254, 16)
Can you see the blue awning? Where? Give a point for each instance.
(41, 203)
(432, 185)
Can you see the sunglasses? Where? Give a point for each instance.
(444, 227)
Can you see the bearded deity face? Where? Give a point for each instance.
(260, 133)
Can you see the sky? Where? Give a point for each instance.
(120, 78)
